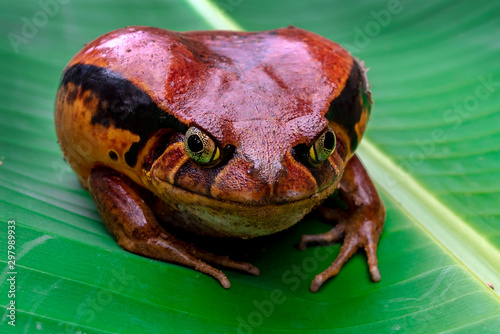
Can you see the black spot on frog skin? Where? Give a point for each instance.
(88, 100)
(346, 109)
(113, 155)
(121, 104)
(72, 94)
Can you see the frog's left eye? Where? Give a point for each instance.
(323, 147)
(200, 147)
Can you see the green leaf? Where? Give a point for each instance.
(432, 147)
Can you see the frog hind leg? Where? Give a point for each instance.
(136, 229)
(360, 226)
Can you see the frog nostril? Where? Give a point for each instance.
(251, 170)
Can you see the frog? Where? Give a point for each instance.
(224, 134)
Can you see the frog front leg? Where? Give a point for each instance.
(131, 221)
(360, 226)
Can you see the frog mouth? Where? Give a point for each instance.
(170, 192)
(222, 218)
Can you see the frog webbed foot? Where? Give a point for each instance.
(357, 233)
(360, 226)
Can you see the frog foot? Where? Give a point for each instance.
(357, 231)
(223, 261)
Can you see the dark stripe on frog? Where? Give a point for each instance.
(346, 109)
(203, 178)
(322, 174)
(121, 104)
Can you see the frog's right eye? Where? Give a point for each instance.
(200, 148)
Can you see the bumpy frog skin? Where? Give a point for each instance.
(225, 134)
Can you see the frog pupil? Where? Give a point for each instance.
(195, 144)
(329, 141)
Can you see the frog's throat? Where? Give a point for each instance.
(209, 216)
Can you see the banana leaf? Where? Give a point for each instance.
(432, 147)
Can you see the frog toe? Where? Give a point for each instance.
(364, 235)
(334, 235)
(223, 261)
(370, 247)
(350, 246)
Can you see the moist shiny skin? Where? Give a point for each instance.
(226, 134)
(127, 98)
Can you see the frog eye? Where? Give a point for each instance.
(200, 147)
(323, 147)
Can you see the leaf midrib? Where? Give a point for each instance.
(447, 229)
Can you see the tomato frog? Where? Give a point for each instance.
(221, 133)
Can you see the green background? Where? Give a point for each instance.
(432, 147)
